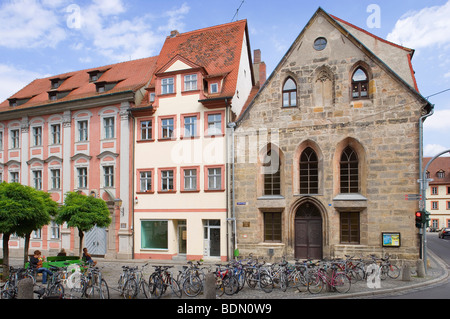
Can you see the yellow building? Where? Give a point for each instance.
(438, 192)
(202, 81)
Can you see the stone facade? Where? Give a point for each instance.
(382, 129)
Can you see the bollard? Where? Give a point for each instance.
(420, 268)
(210, 286)
(406, 272)
(25, 289)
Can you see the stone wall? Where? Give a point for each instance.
(383, 129)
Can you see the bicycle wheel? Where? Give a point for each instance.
(315, 284)
(393, 271)
(8, 292)
(283, 281)
(56, 290)
(252, 278)
(176, 289)
(130, 289)
(145, 289)
(104, 289)
(220, 289)
(265, 282)
(230, 285)
(241, 279)
(342, 283)
(192, 286)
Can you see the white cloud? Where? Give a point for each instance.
(439, 121)
(175, 16)
(431, 150)
(427, 27)
(111, 34)
(13, 79)
(29, 24)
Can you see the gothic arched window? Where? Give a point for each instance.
(349, 172)
(309, 172)
(360, 84)
(289, 93)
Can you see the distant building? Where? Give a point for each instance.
(438, 192)
(328, 148)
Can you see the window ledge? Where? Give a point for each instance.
(350, 197)
(270, 197)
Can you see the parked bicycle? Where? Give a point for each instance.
(161, 279)
(335, 279)
(54, 287)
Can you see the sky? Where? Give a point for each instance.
(41, 38)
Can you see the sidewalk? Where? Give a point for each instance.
(436, 273)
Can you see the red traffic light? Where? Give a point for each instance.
(418, 214)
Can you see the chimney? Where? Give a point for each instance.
(174, 33)
(259, 68)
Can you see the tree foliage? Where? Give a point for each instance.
(83, 212)
(23, 209)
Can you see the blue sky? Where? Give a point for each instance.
(39, 38)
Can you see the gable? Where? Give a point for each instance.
(341, 55)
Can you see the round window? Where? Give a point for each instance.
(320, 44)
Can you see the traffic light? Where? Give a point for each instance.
(419, 219)
(426, 218)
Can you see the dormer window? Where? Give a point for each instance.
(56, 83)
(104, 86)
(53, 96)
(95, 75)
(13, 102)
(441, 174)
(56, 95)
(101, 88)
(214, 88)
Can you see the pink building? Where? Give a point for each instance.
(72, 132)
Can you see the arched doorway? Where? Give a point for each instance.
(308, 232)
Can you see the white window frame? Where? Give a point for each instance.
(109, 123)
(168, 86)
(190, 82)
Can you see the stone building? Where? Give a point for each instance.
(327, 149)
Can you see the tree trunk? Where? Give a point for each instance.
(81, 234)
(26, 248)
(6, 256)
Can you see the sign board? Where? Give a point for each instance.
(413, 197)
(391, 239)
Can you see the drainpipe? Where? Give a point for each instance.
(422, 184)
(232, 126)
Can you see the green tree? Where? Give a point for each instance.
(22, 210)
(83, 212)
(38, 219)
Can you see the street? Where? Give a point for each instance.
(441, 248)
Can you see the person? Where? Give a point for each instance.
(62, 252)
(36, 264)
(87, 257)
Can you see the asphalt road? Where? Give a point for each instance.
(441, 248)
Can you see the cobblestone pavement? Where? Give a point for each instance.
(436, 273)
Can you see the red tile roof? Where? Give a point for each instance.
(131, 76)
(439, 164)
(217, 49)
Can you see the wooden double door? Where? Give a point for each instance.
(308, 232)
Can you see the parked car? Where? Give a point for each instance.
(444, 232)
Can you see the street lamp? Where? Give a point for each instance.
(118, 204)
